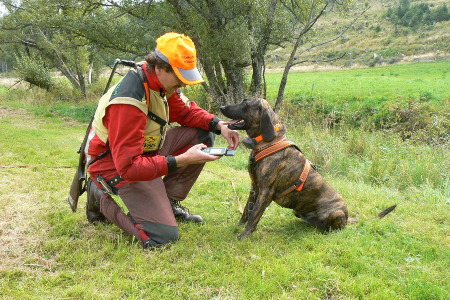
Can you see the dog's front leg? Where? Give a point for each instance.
(248, 207)
(263, 200)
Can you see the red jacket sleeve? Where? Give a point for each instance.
(126, 125)
(190, 115)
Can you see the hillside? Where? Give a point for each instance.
(372, 39)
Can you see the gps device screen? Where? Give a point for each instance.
(218, 151)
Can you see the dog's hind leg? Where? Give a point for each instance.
(325, 220)
(311, 217)
(263, 200)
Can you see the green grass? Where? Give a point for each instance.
(48, 252)
(56, 254)
(356, 88)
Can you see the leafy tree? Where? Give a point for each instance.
(233, 35)
(224, 42)
(40, 28)
(230, 36)
(305, 15)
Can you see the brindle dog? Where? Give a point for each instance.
(317, 202)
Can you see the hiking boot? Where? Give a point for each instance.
(182, 213)
(94, 194)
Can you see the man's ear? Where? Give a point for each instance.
(157, 69)
(267, 131)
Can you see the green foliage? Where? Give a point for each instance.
(33, 70)
(440, 14)
(199, 95)
(415, 120)
(417, 15)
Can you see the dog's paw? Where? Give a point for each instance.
(241, 223)
(244, 235)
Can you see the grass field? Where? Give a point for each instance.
(367, 86)
(48, 252)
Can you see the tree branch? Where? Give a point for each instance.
(335, 38)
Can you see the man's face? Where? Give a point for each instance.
(169, 80)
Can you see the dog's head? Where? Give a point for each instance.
(253, 115)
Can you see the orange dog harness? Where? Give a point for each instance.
(273, 147)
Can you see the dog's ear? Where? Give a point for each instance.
(267, 131)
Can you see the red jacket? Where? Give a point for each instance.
(126, 124)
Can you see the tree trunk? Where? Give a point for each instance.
(81, 80)
(215, 88)
(91, 69)
(83, 89)
(283, 81)
(235, 80)
(257, 69)
(312, 19)
(257, 87)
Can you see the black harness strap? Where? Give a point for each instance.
(154, 117)
(157, 119)
(110, 185)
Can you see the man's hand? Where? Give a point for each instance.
(194, 155)
(232, 136)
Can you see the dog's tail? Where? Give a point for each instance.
(380, 215)
(386, 211)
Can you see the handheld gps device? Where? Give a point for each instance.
(218, 151)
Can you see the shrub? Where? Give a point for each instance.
(441, 14)
(414, 120)
(33, 70)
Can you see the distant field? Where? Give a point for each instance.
(356, 87)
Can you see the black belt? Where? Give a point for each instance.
(115, 181)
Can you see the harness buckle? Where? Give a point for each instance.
(249, 142)
(298, 183)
